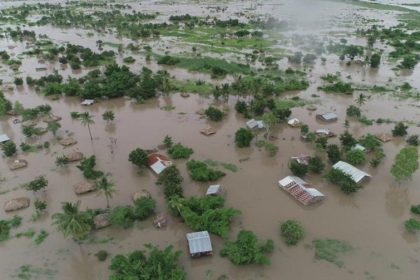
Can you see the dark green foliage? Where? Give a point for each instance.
(247, 249)
(353, 111)
(138, 157)
(409, 62)
(370, 142)
(37, 184)
(355, 157)
(9, 148)
(241, 107)
(7, 225)
(243, 137)
(87, 165)
(40, 237)
(412, 225)
(351, 51)
(122, 216)
(179, 151)
(151, 265)
(168, 60)
(333, 153)
(347, 140)
(343, 180)
(204, 213)
(413, 140)
(171, 180)
(129, 60)
(102, 255)
(200, 171)
(304, 129)
(406, 163)
(298, 169)
(296, 58)
(338, 87)
(144, 207)
(18, 81)
(400, 129)
(5, 105)
(168, 141)
(108, 116)
(292, 232)
(415, 209)
(214, 114)
(321, 142)
(316, 165)
(375, 60)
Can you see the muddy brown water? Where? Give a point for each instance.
(371, 220)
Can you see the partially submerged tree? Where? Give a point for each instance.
(72, 222)
(405, 164)
(53, 127)
(9, 148)
(87, 167)
(214, 114)
(86, 119)
(400, 129)
(298, 169)
(138, 157)
(106, 188)
(243, 137)
(108, 116)
(37, 184)
(292, 232)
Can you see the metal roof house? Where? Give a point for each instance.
(358, 147)
(251, 124)
(325, 132)
(301, 159)
(327, 117)
(294, 122)
(4, 138)
(87, 102)
(356, 174)
(301, 190)
(214, 190)
(199, 244)
(158, 163)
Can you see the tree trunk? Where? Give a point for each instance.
(90, 133)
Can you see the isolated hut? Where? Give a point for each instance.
(199, 244)
(301, 159)
(16, 204)
(87, 102)
(301, 190)
(356, 174)
(158, 163)
(214, 190)
(254, 124)
(4, 138)
(327, 117)
(325, 132)
(294, 122)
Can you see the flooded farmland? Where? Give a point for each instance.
(211, 62)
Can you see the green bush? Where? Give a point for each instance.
(9, 148)
(171, 180)
(355, 157)
(247, 249)
(413, 140)
(200, 171)
(144, 208)
(343, 180)
(353, 111)
(102, 255)
(138, 157)
(122, 216)
(415, 209)
(37, 184)
(292, 232)
(333, 153)
(214, 114)
(330, 249)
(179, 151)
(87, 165)
(412, 225)
(316, 165)
(400, 129)
(298, 169)
(243, 137)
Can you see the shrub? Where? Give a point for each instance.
(347, 140)
(168, 60)
(333, 153)
(316, 165)
(138, 157)
(415, 209)
(179, 151)
(353, 111)
(241, 107)
(375, 60)
(144, 208)
(37, 184)
(355, 157)
(247, 249)
(343, 180)
(330, 249)
(171, 180)
(122, 216)
(9, 148)
(102, 255)
(292, 232)
(406, 163)
(199, 171)
(298, 169)
(370, 142)
(87, 165)
(412, 225)
(243, 137)
(400, 129)
(413, 140)
(214, 114)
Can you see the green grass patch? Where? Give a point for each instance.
(330, 250)
(199, 87)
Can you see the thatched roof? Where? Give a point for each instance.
(101, 221)
(29, 123)
(74, 156)
(19, 163)
(143, 193)
(16, 204)
(84, 187)
(68, 141)
(51, 118)
(160, 221)
(384, 137)
(208, 131)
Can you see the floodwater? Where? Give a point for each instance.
(371, 220)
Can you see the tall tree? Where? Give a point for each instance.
(86, 119)
(73, 222)
(106, 188)
(361, 99)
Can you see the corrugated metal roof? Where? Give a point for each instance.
(300, 190)
(356, 174)
(328, 116)
(158, 162)
(199, 242)
(4, 138)
(213, 189)
(255, 124)
(88, 102)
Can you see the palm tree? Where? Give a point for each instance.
(86, 119)
(106, 188)
(53, 127)
(361, 99)
(73, 222)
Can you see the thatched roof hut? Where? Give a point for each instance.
(68, 141)
(16, 204)
(84, 187)
(17, 164)
(101, 221)
(143, 193)
(74, 156)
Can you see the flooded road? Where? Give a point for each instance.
(370, 220)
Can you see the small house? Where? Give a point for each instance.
(208, 131)
(4, 138)
(254, 124)
(327, 117)
(301, 190)
(294, 122)
(359, 148)
(87, 102)
(199, 244)
(214, 190)
(158, 162)
(302, 159)
(356, 174)
(325, 132)
(384, 137)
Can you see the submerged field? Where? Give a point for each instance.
(158, 65)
